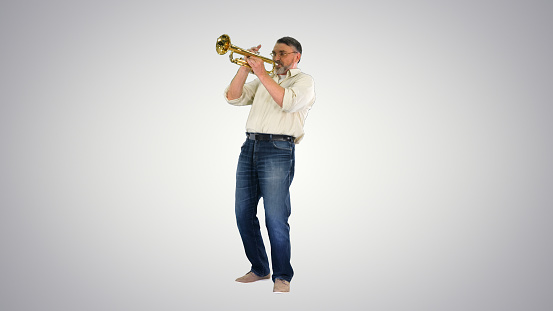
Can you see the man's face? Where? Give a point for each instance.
(285, 58)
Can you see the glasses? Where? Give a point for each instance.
(281, 54)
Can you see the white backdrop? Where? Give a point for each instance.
(423, 182)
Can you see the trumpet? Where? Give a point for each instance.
(223, 46)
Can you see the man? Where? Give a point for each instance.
(279, 106)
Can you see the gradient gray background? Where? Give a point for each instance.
(423, 182)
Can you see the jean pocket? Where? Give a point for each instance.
(283, 145)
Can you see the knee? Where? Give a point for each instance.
(278, 228)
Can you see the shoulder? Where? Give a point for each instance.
(304, 79)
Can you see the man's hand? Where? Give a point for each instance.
(255, 49)
(245, 69)
(258, 66)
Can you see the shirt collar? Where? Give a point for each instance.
(291, 72)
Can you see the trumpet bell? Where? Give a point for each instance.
(223, 44)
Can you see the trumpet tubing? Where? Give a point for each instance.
(223, 45)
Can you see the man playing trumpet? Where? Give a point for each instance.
(279, 106)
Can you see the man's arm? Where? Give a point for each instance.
(276, 91)
(237, 84)
(290, 99)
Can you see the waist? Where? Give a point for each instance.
(262, 136)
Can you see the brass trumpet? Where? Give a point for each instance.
(223, 46)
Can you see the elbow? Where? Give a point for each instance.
(231, 96)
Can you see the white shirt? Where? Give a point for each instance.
(266, 116)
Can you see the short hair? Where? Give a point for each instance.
(289, 41)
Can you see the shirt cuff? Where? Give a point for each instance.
(232, 101)
(287, 100)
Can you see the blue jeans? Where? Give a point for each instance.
(265, 170)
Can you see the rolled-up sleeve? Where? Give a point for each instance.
(247, 96)
(300, 95)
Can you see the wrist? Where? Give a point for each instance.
(263, 74)
(244, 70)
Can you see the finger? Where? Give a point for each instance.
(254, 60)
